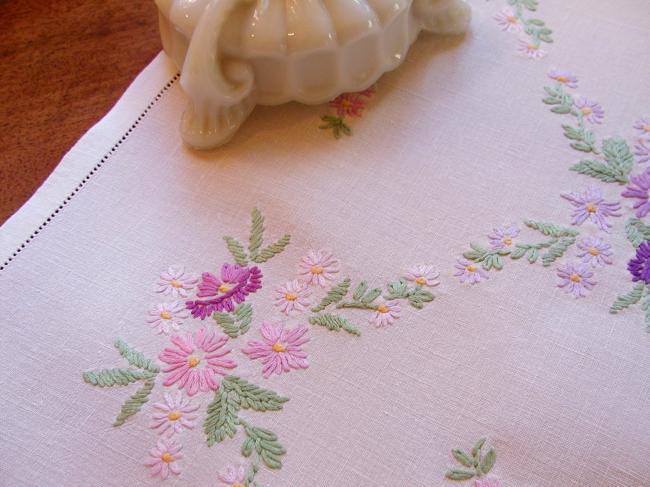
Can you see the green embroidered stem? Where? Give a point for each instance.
(637, 232)
(645, 306)
(626, 300)
(557, 250)
(256, 239)
(476, 464)
(356, 305)
(132, 405)
(257, 233)
(550, 229)
(115, 377)
(136, 358)
(249, 481)
(489, 258)
(335, 295)
(236, 323)
(535, 28)
(334, 323)
(416, 296)
(272, 250)
(618, 164)
(250, 396)
(336, 124)
(531, 250)
(221, 420)
(265, 443)
(237, 251)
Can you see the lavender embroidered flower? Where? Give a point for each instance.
(564, 77)
(469, 272)
(643, 126)
(591, 110)
(638, 188)
(233, 476)
(423, 275)
(176, 282)
(174, 415)
(318, 267)
(530, 50)
(591, 204)
(639, 265)
(293, 297)
(234, 285)
(167, 317)
(163, 457)
(642, 151)
(594, 251)
(386, 314)
(575, 278)
(503, 236)
(508, 20)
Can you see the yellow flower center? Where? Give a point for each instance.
(646, 128)
(167, 458)
(512, 19)
(532, 47)
(507, 240)
(594, 251)
(562, 79)
(224, 288)
(346, 103)
(471, 268)
(165, 315)
(290, 296)
(382, 308)
(193, 361)
(237, 484)
(591, 208)
(174, 416)
(278, 347)
(175, 283)
(421, 281)
(586, 111)
(316, 269)
(575, 277)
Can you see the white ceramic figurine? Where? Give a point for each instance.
(234, 54)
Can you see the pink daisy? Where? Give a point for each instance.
(232, 476)
(386, 314)
(642, 151)
(594, 251)
(502, 237)
(173, 415)
(197, 362)
(530, 50)
(280, 349)
(575, 279)
(590, 204)
(469, 272)
(591, 110)
(348, 105)
(368, 92)
(163, 458)
(423, 275)
(167, 317)
(643, 126)
(318, 267)
(176, 282)
(508, 20)
(563, 77)
(488, 482)
(293, 297)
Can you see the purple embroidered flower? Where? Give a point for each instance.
(508, 20)
(575, 278)
(642, 151)
(563, 77)
(643, 126)
(530, 50)
(591, 110)
(638, 188)
(234, 285)
(469, 272)
(639, 266)
(503, 236)
(590, 204)
(594, 251)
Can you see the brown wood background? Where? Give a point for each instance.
(63, 65)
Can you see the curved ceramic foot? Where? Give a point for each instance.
(443, 16)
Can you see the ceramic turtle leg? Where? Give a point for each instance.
(443, 16)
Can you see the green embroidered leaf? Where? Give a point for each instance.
(237, 251)
(221, 420)
(519, 251)
(626, 300)
(561, 109)
(371, 295)
(272, 250)
(250, 396)
(582, 146)
(227, 323)
(645, 306)
(477, 447)
(550, 229)
(492, 260)
(136, 358)
(418, 296)
(462, 457)
(598, 170)
(572, 133)
(133, 404)
(398, 290)
(637, 232)
(457, 474)
(334, 323)
(557, 250)
(236, 323)
(249, 481)
(359, 291)
(335, 295)
(618, 156)
(338, 126)
(244, 317)
(265, 443)
(257, 232)
(115, 377)
(488, 461)
(533, 255)
(477, 254)
(537, 22)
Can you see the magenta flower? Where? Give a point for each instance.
(386, 314)
(167, 317)
(469, 272)
(639, 266)
(508, 20)
(643, 126)
(488, 482)
(502, 237)
(318, 267)
(348, 105)
(530, 49)
(638, 188)
(197, 362)
(423, 275)
(591, 204)
(293, 297)
(563, 77)
(280, 349)
(234, 285)
(591, 110)
(176, 282)
(642, 151)
(594, 251)
(162, 458)
(174, 415)
(232, 476)
(575, 278)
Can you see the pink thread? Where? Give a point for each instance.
(174, 415)
(318, 267)
(280, 349)
(232, 475)
(163, 458)
(293, 297)
(176, 282)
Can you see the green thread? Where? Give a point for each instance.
(133, 404)
(250, 396)
(265, 443)
(334, 323)
(272, 250)
(334, 296)
(256, 239)
(550, 229)
(237, 251)
(336, 124)
(645, 306)
(476, 464)
(257, 232)
(416, 296)
(583, 140)
(618, 165)
(637, 232)
(236, 323)
(557, 250)
(136, 358)
(249, 481)
(626, 300)
(115, 377)
(221, 420)
(488, 258)
(535, 28)
(362, 298)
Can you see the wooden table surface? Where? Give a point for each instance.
(63, 65)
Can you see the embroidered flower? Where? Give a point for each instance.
(503, 236)
(232, 476)
(368, 92)
(643, 126)
(163, 458)
(564, 77)
(293, 297)
(234, 285)
(318, 267)
(423, 275)
(176, 282)
(508, 20)
(591, 110)
(348, 105)
(197, 362)
(591, 204)
(469, 272)
(530, 49)
(642, 151)
(280, 349)
(488, 482)
(594, 251)
(167, 317)
(639, 266)
(638, 188)
(386, 314)
(173, 415)
(575, 278)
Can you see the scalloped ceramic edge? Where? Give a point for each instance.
(234, 54)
